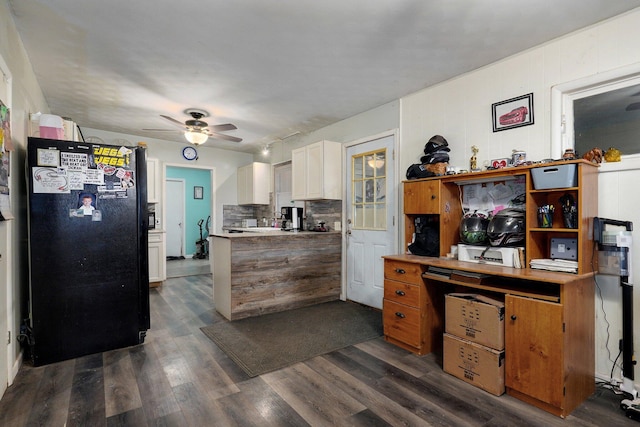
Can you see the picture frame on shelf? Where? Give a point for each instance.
(512, 113)
(198, 192)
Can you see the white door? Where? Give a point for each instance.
(175, 217)
(371, 224)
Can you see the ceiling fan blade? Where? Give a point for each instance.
(223, 136)
(163, 130)
(226, 126)
(173, 121)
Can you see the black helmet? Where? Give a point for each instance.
(473, 228)
(437, 142)
(507, 228)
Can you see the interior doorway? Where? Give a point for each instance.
(175, 219)
(189, 216)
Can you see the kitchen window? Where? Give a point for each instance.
(369, 182)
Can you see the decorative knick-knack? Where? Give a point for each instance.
(473, 162)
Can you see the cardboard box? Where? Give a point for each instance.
(476, 318)
(478, 365)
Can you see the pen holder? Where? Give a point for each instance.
(545, 219)
(570, 218)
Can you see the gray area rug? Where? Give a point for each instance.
(265, 343)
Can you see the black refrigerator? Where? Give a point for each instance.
(88, 253)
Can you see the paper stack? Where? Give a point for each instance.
(562, 265)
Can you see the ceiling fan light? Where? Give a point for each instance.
(375, 162)
(195, 137)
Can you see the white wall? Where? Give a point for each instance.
(26, 98)
(224, 162)
(460, 110)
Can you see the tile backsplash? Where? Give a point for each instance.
(327, 211)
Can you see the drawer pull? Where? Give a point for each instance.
(400, 315)
(399, 292)
(400, 271)
(433, 197)
(513, 317)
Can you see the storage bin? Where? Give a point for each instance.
(558, 176)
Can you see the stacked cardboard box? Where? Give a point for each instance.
(473, 347)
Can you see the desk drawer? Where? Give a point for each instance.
(403, 271)
(402, 323)
(403, 293)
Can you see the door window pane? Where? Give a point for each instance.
(369, 190)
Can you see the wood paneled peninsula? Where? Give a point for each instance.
(260, 273)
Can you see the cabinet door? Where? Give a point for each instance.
(298, 174)
(315, 171)
(422, 197)
(534, 349)
(245, 185)
(153, 180)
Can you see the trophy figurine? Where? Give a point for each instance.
(474, 160)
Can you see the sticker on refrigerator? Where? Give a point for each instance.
(74, 161)
(112, 190)
(50, 180)
(48, 157)
(111, 156)
(126, 178)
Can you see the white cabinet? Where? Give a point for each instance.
(254, 182)
(317, 171)
(157, 258)
(153, 181)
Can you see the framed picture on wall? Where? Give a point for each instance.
(197, 192)
(512, 113)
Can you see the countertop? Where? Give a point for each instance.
(247, 232)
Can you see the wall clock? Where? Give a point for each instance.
(189, 153)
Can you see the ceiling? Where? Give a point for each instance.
(271, 68)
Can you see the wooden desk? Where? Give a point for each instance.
(549, 323)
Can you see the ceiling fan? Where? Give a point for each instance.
(197, 131)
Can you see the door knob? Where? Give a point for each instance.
(513, 317)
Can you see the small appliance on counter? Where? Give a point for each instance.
(247, 223)
(320, 227)
(292, 218)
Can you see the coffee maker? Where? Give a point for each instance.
(292, 218)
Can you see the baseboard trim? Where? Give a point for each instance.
(16, 367)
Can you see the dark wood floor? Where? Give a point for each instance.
(180, 378)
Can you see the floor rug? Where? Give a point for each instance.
(273, 341)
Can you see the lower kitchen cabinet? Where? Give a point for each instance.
(549, 323)
(157, 258)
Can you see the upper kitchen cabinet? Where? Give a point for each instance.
(317, 171)
(153, 181)
(254, 184)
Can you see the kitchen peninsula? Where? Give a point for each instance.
(259, 273)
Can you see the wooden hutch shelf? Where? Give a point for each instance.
(550, 316)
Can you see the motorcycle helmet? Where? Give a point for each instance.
(473, 228)
(507, 228)
(435, 143)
